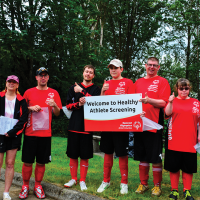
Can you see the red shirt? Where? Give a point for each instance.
(182, 131)
(121, 86)
(39, 123)
(156, 88)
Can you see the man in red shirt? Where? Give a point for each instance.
(41, 101)
(116, 141)
(148, 144)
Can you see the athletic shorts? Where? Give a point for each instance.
(115, 142)
(9, 143)
(177, 160)
(79, 145)
(39, 147)
(148, 146)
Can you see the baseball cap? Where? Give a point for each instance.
(41, 69)
(116, 63)
(13, 77)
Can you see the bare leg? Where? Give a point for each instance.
(10, 161)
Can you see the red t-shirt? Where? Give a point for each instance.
(182, 130)
(156, 88)
(39, 123)
(121, 86)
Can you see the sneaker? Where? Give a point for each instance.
(70, 183)
(123, 188)
(188, 195)
(83, 185)
(24, 192)
(39, 192)
(174, 195)
(156, 191)
(103, 186)
(142, 188)
(6, 197)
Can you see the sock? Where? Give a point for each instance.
(144, 173)
(123, 165)
(73, 168)
(108, 163)
(174, 178)
(6, 194)
(39, 173)
(83, 169)
(187, 181)
(157, 175)
(26, 173)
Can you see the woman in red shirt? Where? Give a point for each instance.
(180, 154)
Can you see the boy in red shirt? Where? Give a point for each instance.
(116, 141)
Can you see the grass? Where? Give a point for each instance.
(57, 172)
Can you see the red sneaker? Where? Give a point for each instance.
(24, 192)
(39, 192)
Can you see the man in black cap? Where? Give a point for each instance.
(41, 101)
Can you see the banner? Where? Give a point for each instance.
(118, 113)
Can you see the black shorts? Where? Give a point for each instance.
(177, 160)
(115, 142)
(9, 143)
(148, 146)
(79, 145)
(39, 147)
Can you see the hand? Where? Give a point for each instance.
(171, 98)
(82, 101)
(52, 103)
(77, 88)
(35, 108)
(6, 134)
(105, 86)
(145, 99)
(142, 114)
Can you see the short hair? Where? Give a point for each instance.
(153, 59)
(90, 67)
(182, 82)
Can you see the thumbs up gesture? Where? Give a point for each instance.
(171, 98)
(145, 99)
(77, 88)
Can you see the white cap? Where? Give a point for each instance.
(116, 63)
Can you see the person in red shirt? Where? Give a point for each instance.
(180, 154)
(148, 144)
(12, 105)
(116, 141)
(80, 142)
(42, 101)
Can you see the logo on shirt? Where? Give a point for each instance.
(121, 88)
(137, 125)
(170, 129)
(154, 86)
(195, 109)
(50, 96)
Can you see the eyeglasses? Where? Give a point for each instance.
(149, 65)
(185, 88)
(41, 76)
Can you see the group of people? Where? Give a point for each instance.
(34, 113)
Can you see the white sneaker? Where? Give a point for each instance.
(70, 183)
(123, 188)
(83, 185)
(6, 197)
(103, 186)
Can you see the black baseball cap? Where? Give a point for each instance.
(42, 69)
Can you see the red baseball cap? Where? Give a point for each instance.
(13, 77)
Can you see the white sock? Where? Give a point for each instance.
(6, 193)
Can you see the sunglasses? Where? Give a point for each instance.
(185, 88)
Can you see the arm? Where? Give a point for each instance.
(19, 127)
(104, 88)
(158, 103)
(199, 134)
(169, 107)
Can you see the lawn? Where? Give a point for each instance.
(57, 172)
